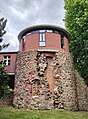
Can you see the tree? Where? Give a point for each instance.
(2, 32)
(76, 21)
(4, 88)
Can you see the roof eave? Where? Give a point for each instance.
(29, 29)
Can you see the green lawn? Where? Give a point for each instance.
(11, 113)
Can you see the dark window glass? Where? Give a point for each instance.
(62, 42)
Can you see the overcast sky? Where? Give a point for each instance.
(25, 13)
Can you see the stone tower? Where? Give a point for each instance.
(45, 76)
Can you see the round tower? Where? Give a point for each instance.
(44, 69)
(44, 37)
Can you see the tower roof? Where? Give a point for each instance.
(39, 27)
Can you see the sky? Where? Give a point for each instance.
(21, 14)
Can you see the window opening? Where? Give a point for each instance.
(62, 40)
(42, 39)
(6, 60)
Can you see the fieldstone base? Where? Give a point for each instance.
(46, 80)
(7, 101)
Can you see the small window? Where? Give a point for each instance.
(33, 32)
(49, 31)
(23, 42)
(42, 39)
(6, 60)
(54, 31)
(42, 44)
(62, 41)
(42, 31)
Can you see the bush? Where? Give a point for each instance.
(4, 88)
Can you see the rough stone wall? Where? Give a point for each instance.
(82, 92)
(63, 64)
(7, 101)
(33, 90)
(31, 87)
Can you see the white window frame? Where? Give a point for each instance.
(42, 39)
(49, 31)
(7, 60)
(42, 31)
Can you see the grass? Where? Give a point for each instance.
(12, 113)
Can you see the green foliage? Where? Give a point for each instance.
(2, 32)
(11, 113)
(4, 88)
(76, 21)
